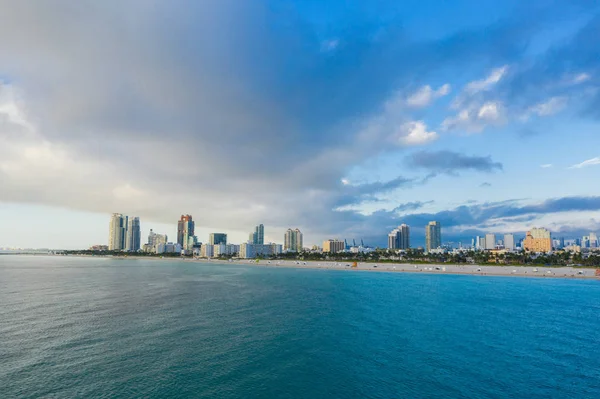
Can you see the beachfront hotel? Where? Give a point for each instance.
(292, 240)
(538, 240)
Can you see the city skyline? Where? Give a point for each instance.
(340, 123)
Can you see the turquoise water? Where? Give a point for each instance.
(100, 328)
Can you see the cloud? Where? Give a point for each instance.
(546, 165)
(425, 95)
(194, 103)
(586, 163)
(352, 194)
(485, 184)
(411, 206)
(511, 216)
(476, 117)
(485, 84)
(451, 162)
(473, 94)
(580, 78)
(549, 107)
(415, 133)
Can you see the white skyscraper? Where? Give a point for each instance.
(490, 241)
(509, 242)
(117, 232)
(593, 240)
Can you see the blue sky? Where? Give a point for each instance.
(344, 119)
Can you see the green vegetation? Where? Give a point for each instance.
(413, 256)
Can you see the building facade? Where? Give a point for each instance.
(185, 229)
(490, 241)
(249, 250)
(509, 242)
(134, 235)
(217, 238)
(292, 241)
(433, 236)
(258, 236)
(333, 246)
(117, 232)
(399, 238)
(537, 240)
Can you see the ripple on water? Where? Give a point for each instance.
(121, 328)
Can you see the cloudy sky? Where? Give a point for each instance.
(342, 118)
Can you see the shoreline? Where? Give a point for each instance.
(567, 272)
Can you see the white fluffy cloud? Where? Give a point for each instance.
(476, 117)
(485, 84)
(415, 133)
(425, 95)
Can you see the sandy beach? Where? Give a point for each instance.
(477, 270)
(521, 271)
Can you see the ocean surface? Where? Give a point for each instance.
(103, 328)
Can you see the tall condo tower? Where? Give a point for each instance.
(258, 236)
(433, 235)
(292, 241)
(117, 233)
(185, 229)
(134, 235)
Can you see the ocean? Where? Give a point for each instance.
(113, 328)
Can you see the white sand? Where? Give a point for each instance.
(522, 271)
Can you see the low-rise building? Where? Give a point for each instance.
(333, 246)
(249, 250)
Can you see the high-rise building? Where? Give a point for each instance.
(185, 232)
(333, 246)
(399, 238)
(433, 236)
(490, 241)
(258, 236)
(292, 241)
(509, 242)
(117, 232)
(134, 235)
(404, 236)
(593, 240)
(394, 239)
(156, 239)
(185, 229)
(151, 236)
(538, 240)
(217, 238)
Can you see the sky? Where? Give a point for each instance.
(341, 118)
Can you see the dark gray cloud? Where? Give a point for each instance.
(355, 194)
(451, 162)
(464, 222)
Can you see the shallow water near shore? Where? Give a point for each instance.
(100, 327)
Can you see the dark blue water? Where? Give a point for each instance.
(99, 328)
